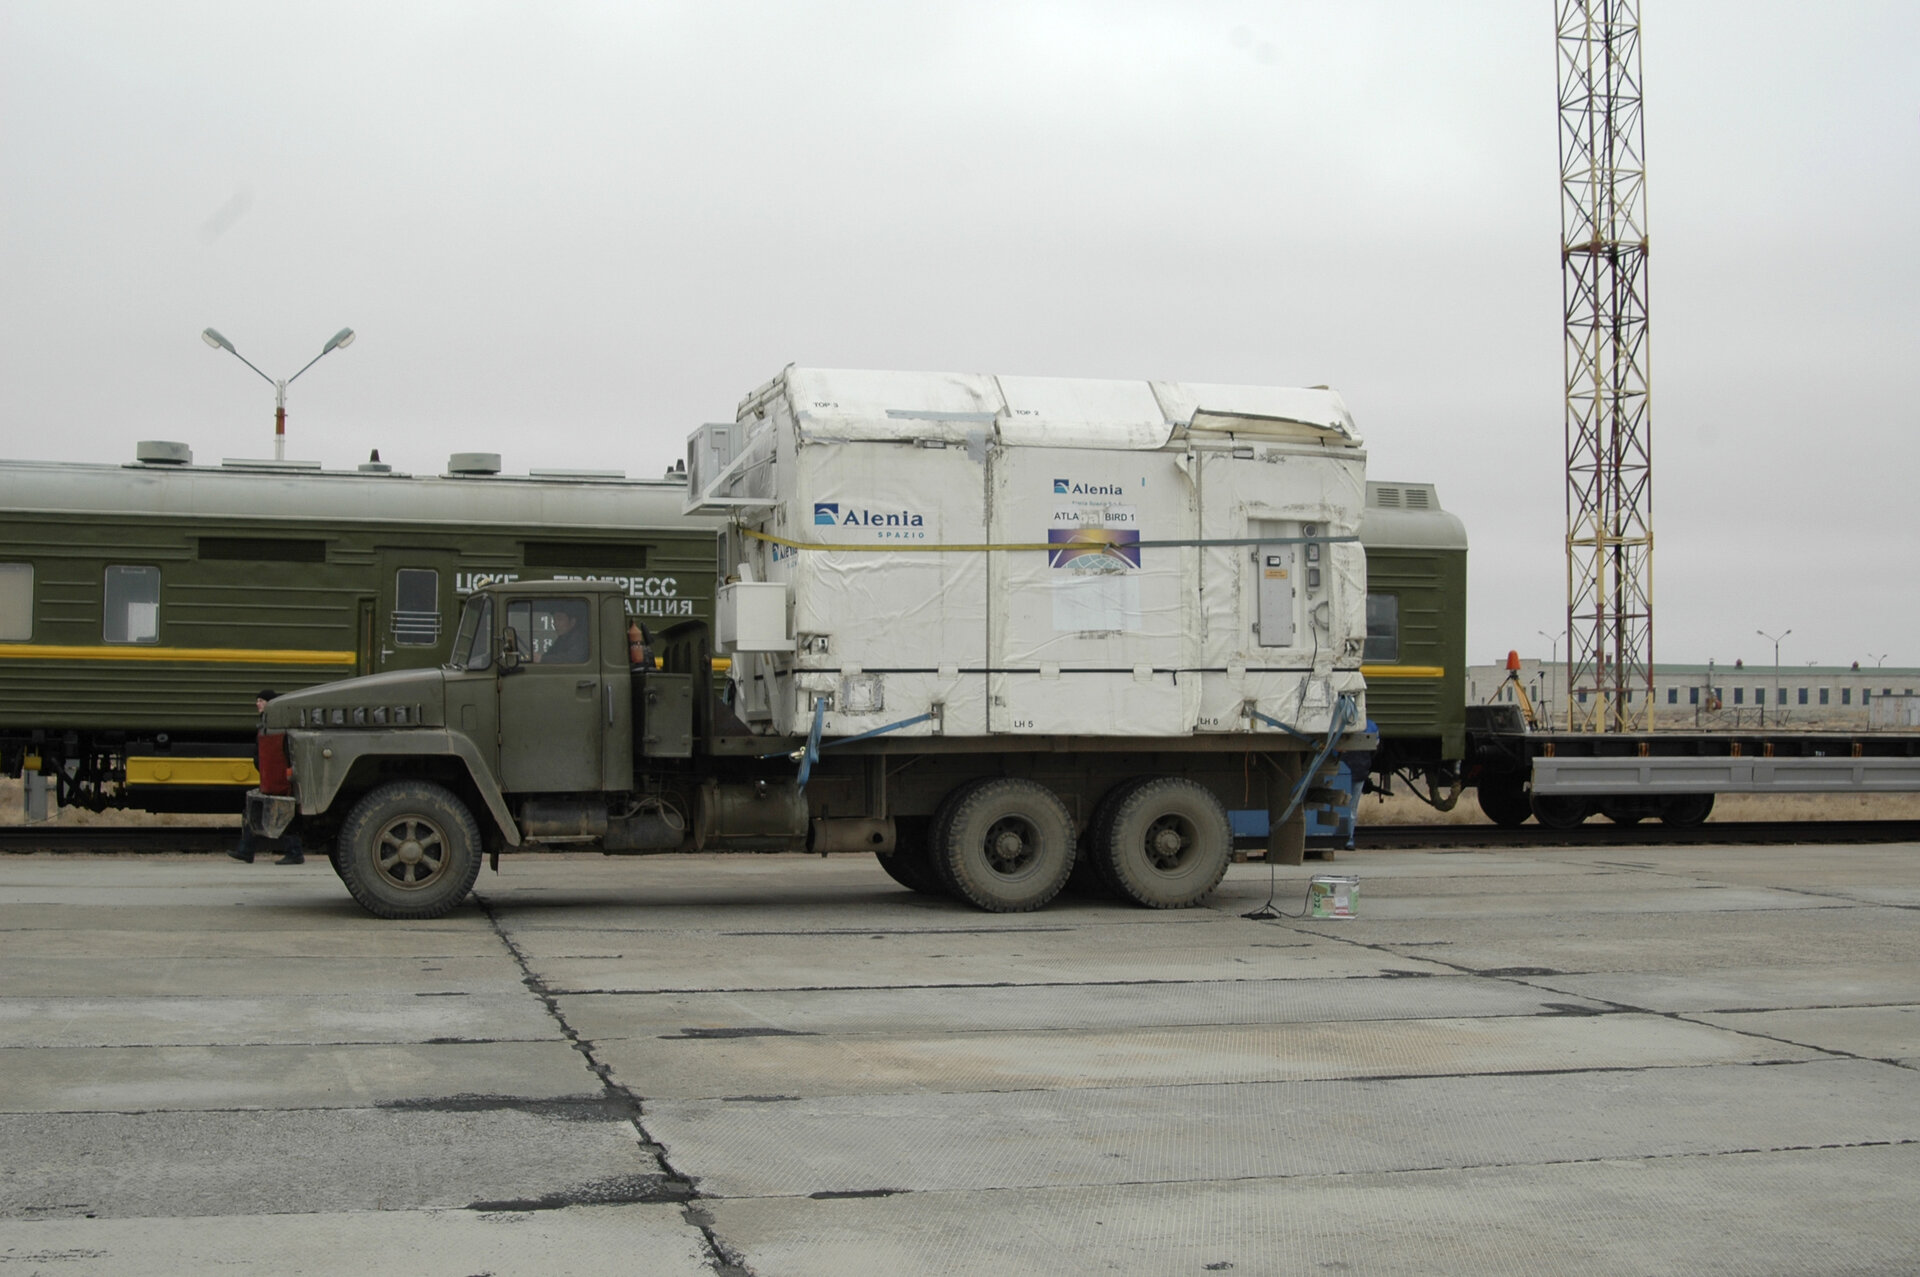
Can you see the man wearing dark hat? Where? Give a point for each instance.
(291, 852)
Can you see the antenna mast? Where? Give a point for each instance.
(1609, 438)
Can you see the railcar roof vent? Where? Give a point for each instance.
(469, 463)
(373, 464)
(162, 452)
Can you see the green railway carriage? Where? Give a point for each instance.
(143, 606)
(1416, 653)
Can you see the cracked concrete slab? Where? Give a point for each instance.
(1748, 988)
(192, 975)
(1029, 1139)
(1149, 1092)
(1044, 951)
(700, 1067)
(577, 1241)
(1876, 1033)
(127, 1079)
(1063, 1007)
(1730, 1216)
(271, 1021)
(302, 1161)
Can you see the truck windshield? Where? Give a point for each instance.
(473, 645)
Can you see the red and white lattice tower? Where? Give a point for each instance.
(1609, 435)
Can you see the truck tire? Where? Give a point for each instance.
(1504, 801)
(1684, 811)
(1556, 812)
(1166, 843)
(1005, 845)
(909, 864)
(1086, 879)
(409, 849)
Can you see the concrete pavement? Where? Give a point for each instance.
(1619, 1060)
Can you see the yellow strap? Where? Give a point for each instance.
(139, 652)
(1198, 542)
(1371, 672)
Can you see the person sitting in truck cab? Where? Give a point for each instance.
(569, 643)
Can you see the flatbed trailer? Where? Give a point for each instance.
(1562, 778)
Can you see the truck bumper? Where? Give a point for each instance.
(268, 815)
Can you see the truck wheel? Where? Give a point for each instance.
(409, 849)
(1505, 802)
(1008, 844)
(1167, 843)
(1684, 811)
(909, 864)
(1561, 813)
(1085, 879)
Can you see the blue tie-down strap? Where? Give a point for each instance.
(810, 753)
(1345, 713)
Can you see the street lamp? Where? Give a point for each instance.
(1775, 640)
(1553, 661)
(339, 341)
(1879, 660)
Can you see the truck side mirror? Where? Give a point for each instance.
(509, 654)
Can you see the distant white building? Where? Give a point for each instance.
(1723, 697)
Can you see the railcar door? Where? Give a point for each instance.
(416, 589)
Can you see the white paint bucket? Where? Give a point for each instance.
(1333, 896)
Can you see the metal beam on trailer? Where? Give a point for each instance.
(1604, 777)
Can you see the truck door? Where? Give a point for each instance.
(551, 707)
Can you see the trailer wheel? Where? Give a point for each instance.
(1166, 843)
(1504, 801)
(409, 849)
(1007, 844)
(909, 864)
(1684, 811)
(1556, 812)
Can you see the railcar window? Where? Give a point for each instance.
(132, 611)
(473, 644)
(550, 631)
(1383, 628)
(16, 602)
(416, 607)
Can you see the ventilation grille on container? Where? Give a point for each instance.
(1402, 496)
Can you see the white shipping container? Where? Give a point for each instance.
(1037, 556)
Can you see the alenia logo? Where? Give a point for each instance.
(1068, 488)
(828, 514)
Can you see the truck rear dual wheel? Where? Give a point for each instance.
(1163, 843)
(409, 849)
(1004, 844)
(908, 863)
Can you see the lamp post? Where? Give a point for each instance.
(339, 341)
(1775, 640)
(1553, 662)
(1879, 660)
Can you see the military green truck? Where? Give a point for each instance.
(992, 629)
(545, 732)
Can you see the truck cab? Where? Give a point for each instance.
(530, 733)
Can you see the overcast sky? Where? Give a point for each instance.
(569, 233)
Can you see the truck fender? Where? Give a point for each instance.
(323, 760)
